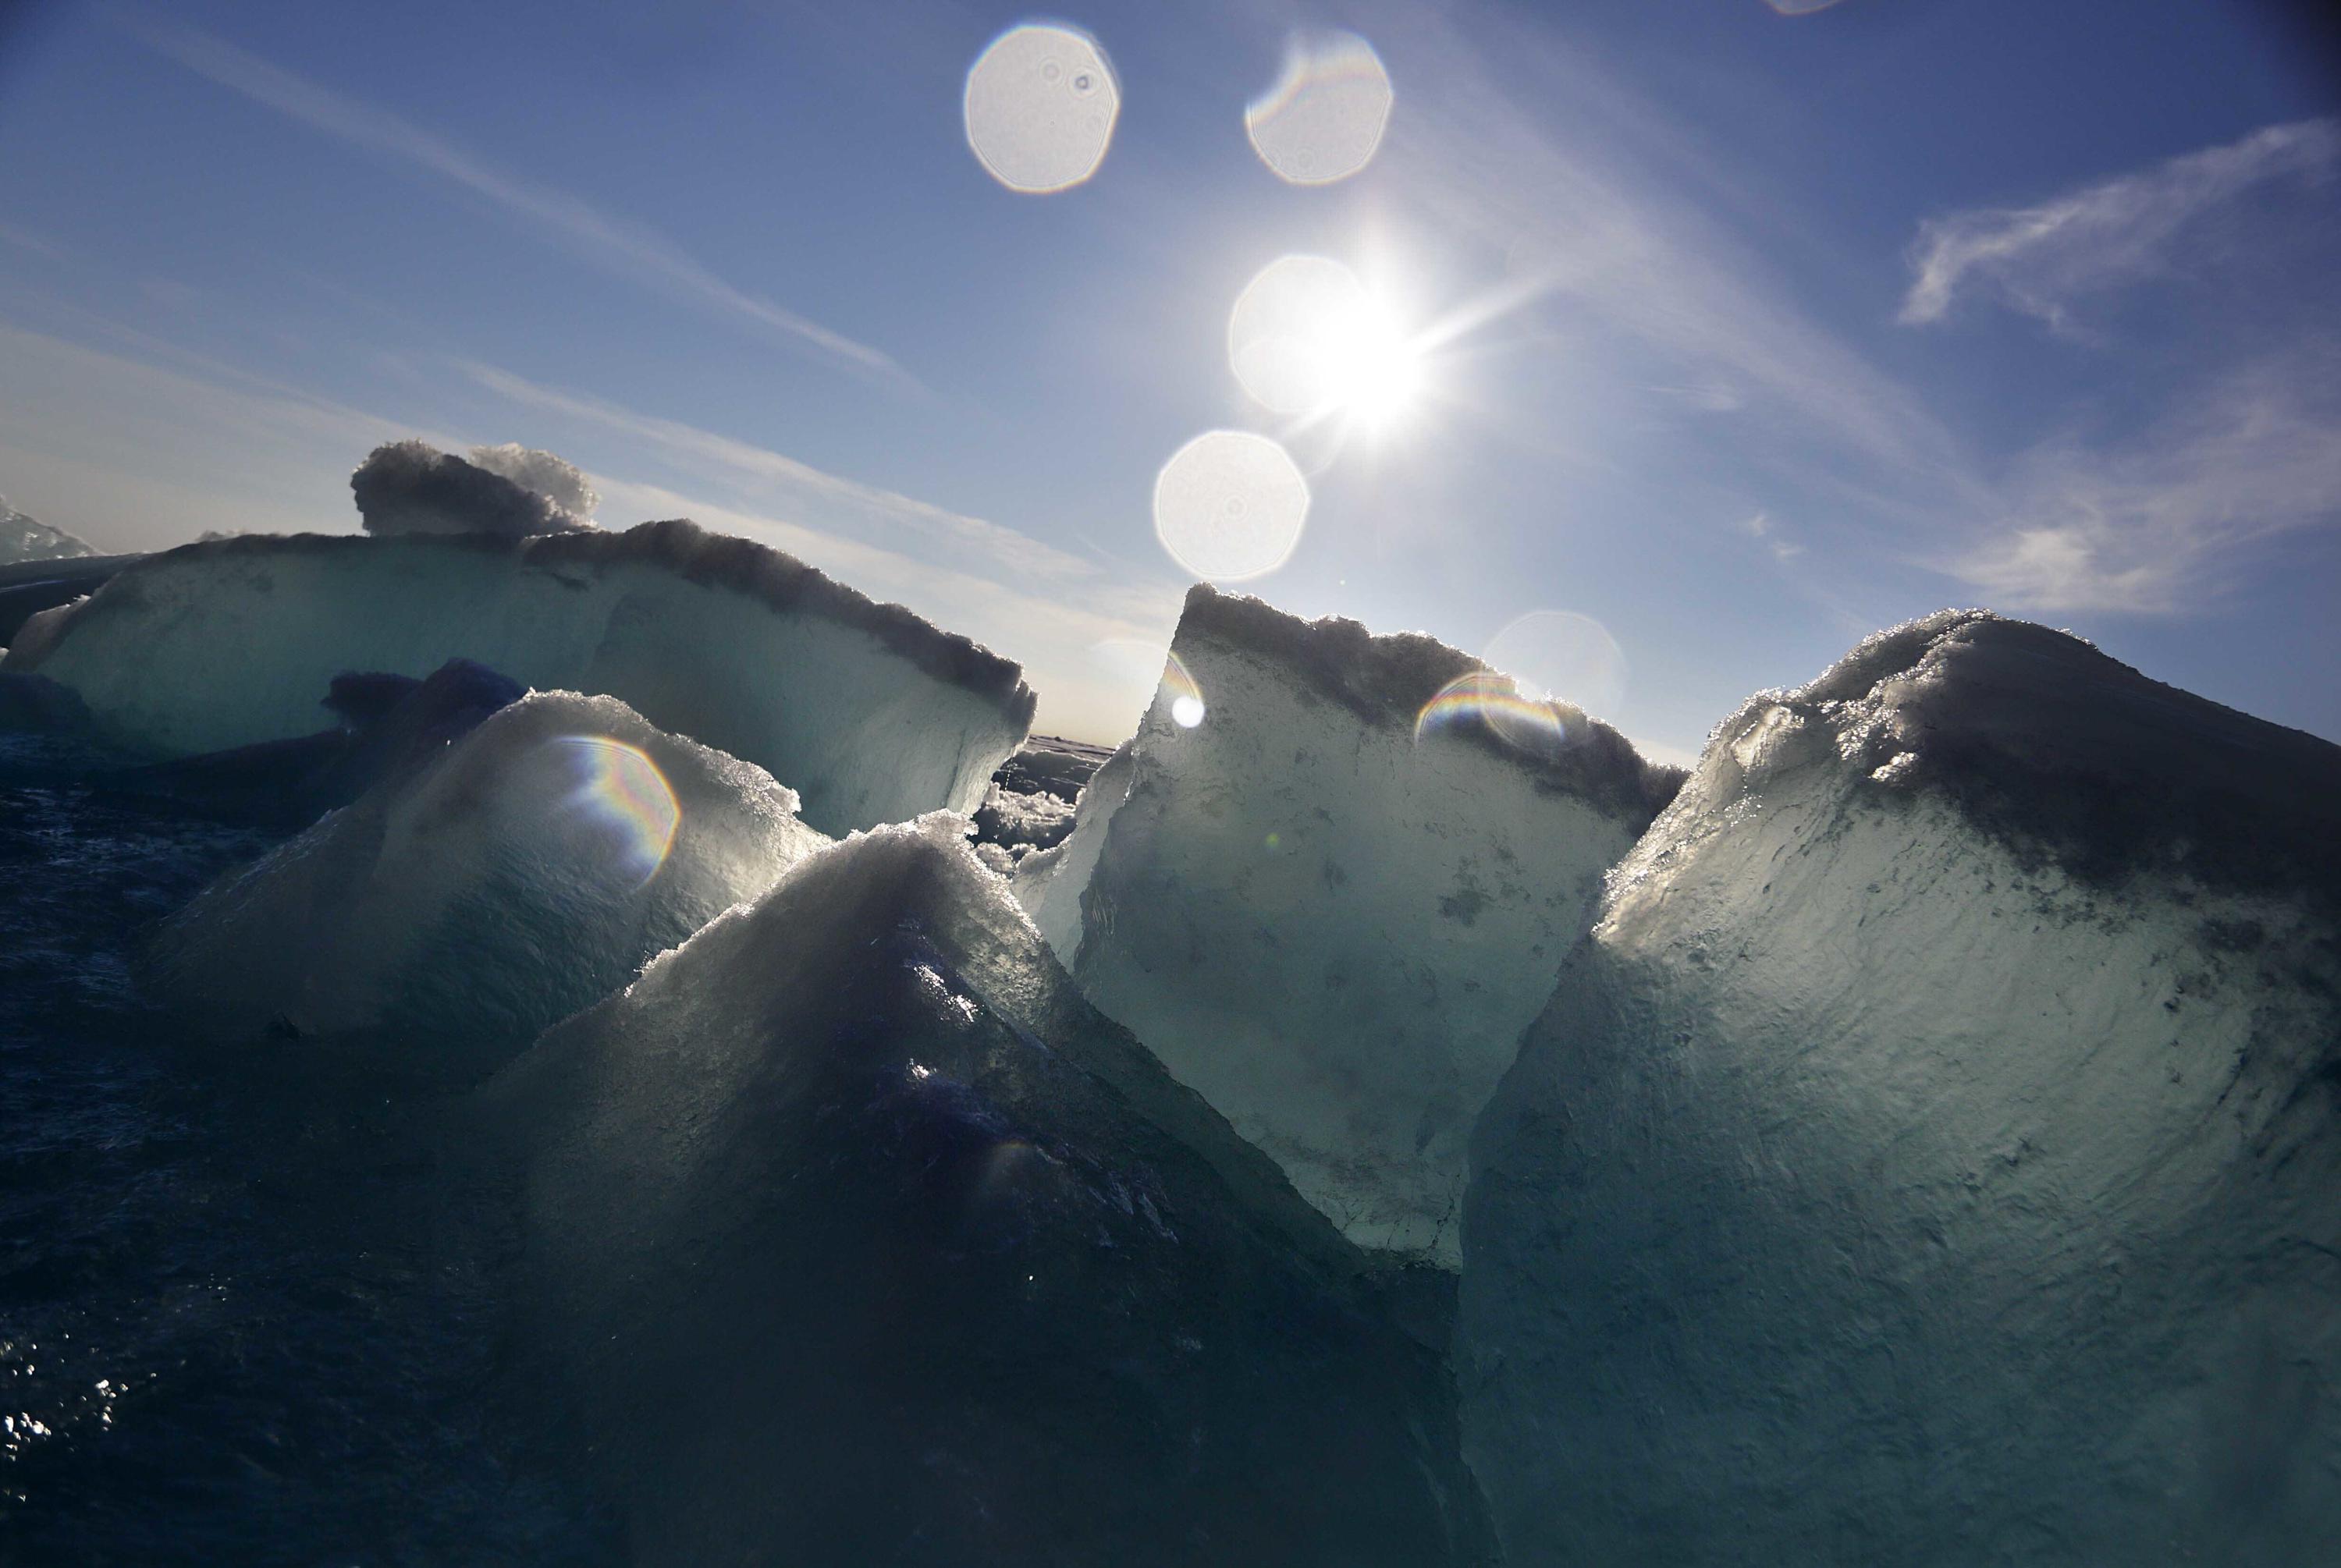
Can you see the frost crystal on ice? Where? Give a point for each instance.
(1931, 1156)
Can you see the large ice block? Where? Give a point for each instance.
(1328, 882)
(868, 712)
(1934, 1155)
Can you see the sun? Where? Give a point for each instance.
(1375, 370)
(1309, 338)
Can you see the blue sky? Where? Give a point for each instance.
(1787, 327)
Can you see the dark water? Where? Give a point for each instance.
(242, 1319)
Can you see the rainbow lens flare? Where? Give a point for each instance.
(620, 810)
(1187, 708)
(1323, 118)
(1490, 700)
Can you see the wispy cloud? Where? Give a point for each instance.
(1762, 529)
(832, 502)
(25, 239)
(628, 249)
(145, 450)
(2163, 516)
(2037, 260)
(139, 454)
(1551, 184)
(2163, 523)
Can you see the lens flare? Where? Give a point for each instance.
(1187, 708)
(1230, 505)
(1323, 118)
(620, 812)
(1494, 702)
(1559, 653)
(1040, 107)
(1307, 337)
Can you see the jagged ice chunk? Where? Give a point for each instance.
(1932, 1156)
(1330, 914)
(853, 1234)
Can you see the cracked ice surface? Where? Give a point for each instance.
(1332, 930)
(1931, 1156)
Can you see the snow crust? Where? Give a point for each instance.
(871, 713)
(852, 1234)
(1931, 1156)
(1030, 805)
(511, 492)
(552, 476)
(455, 911)
(1332, 929)
(1021, 822)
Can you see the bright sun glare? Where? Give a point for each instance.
(1309, 338)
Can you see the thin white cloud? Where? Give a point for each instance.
(1600, 195)
(24, 239)
(1761, 528)
(2037, 260)
(834, 499)
(628, 249)
(2166, 523)
(1551, 185)
(139, 455)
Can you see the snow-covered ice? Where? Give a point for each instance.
(549, 474)
(1331, 915)
(1023, 822)
(853, 1234)
(872, 714)
(510, 490)
(1030, 804)
(455, 911)
(1934, 1155)
(23, 538)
